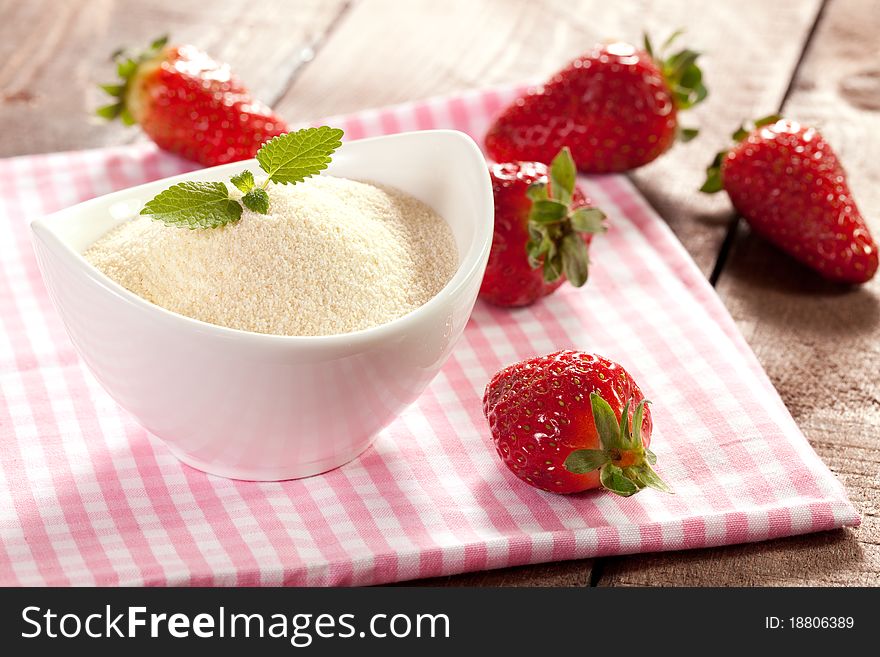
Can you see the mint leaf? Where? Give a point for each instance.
(256, 200)
(244, 181)
(194, 205)
(293, 157)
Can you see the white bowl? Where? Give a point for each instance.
(267, 407)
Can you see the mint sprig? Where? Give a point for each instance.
(287, 159)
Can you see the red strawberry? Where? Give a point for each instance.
(543, 226)
(190, 105)
(615, 107)
(572, 421)
(787, 182)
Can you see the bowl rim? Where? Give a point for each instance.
(469, 263)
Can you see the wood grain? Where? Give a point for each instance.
(818, 341)
(53, 54)
(422, 48)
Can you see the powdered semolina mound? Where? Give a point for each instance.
(332, 256)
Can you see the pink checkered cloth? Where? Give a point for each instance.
(89, 497)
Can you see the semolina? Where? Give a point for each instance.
(332, 256)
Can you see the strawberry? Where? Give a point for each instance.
(190, 105)
(571, 421)
(615, 107)
(543, 226)
(787, 182)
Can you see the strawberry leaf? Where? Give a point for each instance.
(539, 245)
(741, 133)
(575, 259)
(682, 75)
(548, 211)
(767, 120)
(194, 205)
(649, 47)
(126, 68)
(159, 43)
(562, 176)
(113, 89)
(552, 267)
(638, 417)
(671, 39)
(606, 423)
(613, 479)
(687, 134)
(537, 192)
(624, 424)
(109, 112)
(554, 225)
(713, 182)
(649, 478)
(582, 461)
(588, 220)
(292, 157)
(625, 464)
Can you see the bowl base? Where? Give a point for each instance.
(271, 473)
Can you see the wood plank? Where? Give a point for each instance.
(782, 562)
(422, 48)
(818, 341)
(52, 55)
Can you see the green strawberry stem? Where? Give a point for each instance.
(682, 75)
(713, 182)
(555, 228)
(127, 66)
(624, 463)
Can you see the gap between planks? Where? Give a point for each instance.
(733, 227)
(313, 49)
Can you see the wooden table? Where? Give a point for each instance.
(815, 61)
